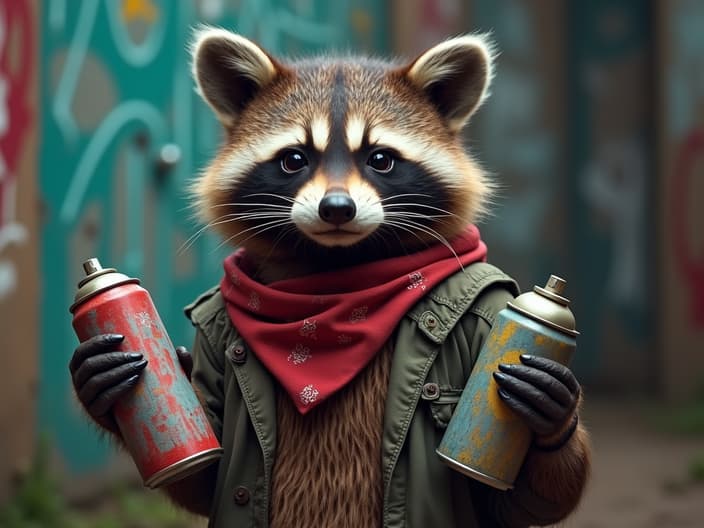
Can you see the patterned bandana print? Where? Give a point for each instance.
(316, 333)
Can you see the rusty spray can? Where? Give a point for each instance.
(485, 439)
(161, 421)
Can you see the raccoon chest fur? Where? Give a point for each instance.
(327, 470)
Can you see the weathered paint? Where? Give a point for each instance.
(161, 421)
(484, 435)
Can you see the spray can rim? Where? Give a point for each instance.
(548, 306)
(97, 280)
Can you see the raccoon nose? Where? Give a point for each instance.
(337, 208)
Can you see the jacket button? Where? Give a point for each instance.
(241, 495)
(431, 391)
(238, 354)
(431, 322)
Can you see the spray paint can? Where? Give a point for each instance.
(485, 439)
(161, 421)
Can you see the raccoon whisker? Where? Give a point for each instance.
(406, 229)
(258, 211)
(272, 195)
(429, 231)
(405, 195)
(433, 234)
(258, 230)
(413, 223)
(408, 214)
(230, 217)
(265, 224)
(259, 216)
(418, 218)
(426, 221)
(250, 204)
(441, 239)
(444, 211)
(192, 239)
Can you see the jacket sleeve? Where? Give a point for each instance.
(549, 485)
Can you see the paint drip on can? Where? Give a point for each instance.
(485, 439)
(161, 420)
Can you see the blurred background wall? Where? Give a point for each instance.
(594, 132)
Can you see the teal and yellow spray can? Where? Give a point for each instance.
(485, 439)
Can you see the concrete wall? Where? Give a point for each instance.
(19, 212)
(681, 189)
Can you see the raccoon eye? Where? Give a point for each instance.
(381, 161)
(293, 161)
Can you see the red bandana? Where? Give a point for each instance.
(315, 333)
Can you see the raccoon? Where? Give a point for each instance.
(347, 188)
(329, 163)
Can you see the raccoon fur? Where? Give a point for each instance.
(332, 162)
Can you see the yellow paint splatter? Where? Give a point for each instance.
(133, 10)
(494, 402)
(541, 340)
(506, 333)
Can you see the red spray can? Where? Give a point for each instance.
(161, 421)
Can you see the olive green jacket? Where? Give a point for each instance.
(437, 344)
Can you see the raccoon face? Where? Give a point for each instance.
(347, 157)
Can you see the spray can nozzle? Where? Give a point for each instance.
(556, 284)
(91, 266)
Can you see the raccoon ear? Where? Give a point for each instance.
(229, 70)
(455, 75)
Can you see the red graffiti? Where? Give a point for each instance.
(691, 266)
(17, 56)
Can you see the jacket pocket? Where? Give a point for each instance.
(442, 401)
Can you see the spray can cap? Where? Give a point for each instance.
(97, 279)
(548, 305)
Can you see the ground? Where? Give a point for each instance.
(640, 473)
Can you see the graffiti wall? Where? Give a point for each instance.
(611, 172)
(681, 238)
(18, 233)
(123, 134)
(519, 137)
(17, 34)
